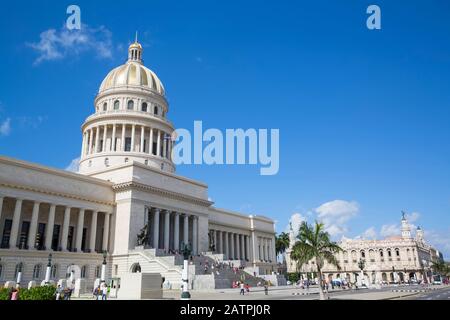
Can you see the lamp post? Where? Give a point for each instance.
(103, 274)
(361, 265)
(394, 274)
(185, 295)
(49, 270)
(19, 273)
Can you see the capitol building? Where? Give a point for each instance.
(126, 186)
(396, 259)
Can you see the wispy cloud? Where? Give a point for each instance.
(389, 230)
(74, 165)
(31, 122)
(295, 220)
(58, 44)
(370, 234)
(5, 127)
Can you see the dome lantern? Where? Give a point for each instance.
(135, 51)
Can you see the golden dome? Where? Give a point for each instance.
(133, 74)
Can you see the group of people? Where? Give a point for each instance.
(63, 293)
(101, 292)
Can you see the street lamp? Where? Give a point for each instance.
(361, 265)
(185, 295)
(49, 270)
(103, 274)
(19, 273)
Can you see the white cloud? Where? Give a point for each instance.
(74, 165)
(369, 234)
(58, 44)
(296, 220)
(5, 127)
(389, 230)
(439, 240)
(412, 217)
(335, 215)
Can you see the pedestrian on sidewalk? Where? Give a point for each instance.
(242, 286)
(266, 289)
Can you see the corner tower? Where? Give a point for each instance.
(130, 120)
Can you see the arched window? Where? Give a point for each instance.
(116, 105)
(381, 253)
(397, 252)
(130, 105)
(106, 162)
(98, 271)
(105, 106)
(389, 253)
(155, 110)
(144, 106)
(363, 254)
(354, 256)
(83, 273)
(54, 271)
(37, 272)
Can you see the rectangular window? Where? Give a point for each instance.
(101, 145)
(40, 237)
(155, 147)
(128, 144)
(24, 235)
(70, 238)
(55, 237)
(145, 144)
(115, 144)
(6, 233)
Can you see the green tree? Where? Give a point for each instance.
(314, 243)
(281, 243)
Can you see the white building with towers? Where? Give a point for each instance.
(126, 200)
(396, 259)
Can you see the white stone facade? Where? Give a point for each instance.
(126, 181)
(391, 260)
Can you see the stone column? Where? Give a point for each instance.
(80, 225)
(50, 225)
(106, 231)
(158, 144)
(97, 138)
(219, 244)
(1, 206)
(232, 257)
(242, 247)
(89, 148)
(65, 231)
(133, 132)
(150, 146)
(195, 235)
(33, 225)
(247, 248)
(176, 232)
(164, 145)
(93, 232)
(167, 230)
(15, 224)
(156, 228)
(83, 144)
(142, 138)
(122, 139)
(105, 130)
(215, 241)
(186, 229)
(113, 139)
(226, 248)
(238, 247)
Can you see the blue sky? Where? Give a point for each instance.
(363, 115)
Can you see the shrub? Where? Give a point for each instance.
(4, 293)
(38, 293)
(293, 277)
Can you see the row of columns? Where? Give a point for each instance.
(233, 245)
(160, 220)
(265, 250)
(50, 226)
(91, 140)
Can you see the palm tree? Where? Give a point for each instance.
(298, 255)
(439, 267)
(281, 243)
(314, 243)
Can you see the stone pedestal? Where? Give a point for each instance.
(137, 286)
(62, 283)
(80, 287)
(10, 284)
(31, 284)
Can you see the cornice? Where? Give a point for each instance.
(161, 192)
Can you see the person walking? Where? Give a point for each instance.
(242, 286)
(104, 291)
(58, 292)
(15, 294)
